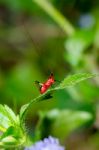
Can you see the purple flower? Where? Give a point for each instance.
(49, 143)
(86, 21)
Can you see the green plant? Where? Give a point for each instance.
(14, 132)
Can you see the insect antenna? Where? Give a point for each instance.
(38, 84)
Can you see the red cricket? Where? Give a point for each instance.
(46, 85)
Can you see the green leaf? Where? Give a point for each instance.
(10, 142)
(77, 43)
(7, 117)
(13, 137)
(74, 79)
(11, 114)
(61, 123)
(9, 132)
(68, 81)
(4, 119)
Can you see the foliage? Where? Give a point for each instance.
(36, 38)
(60, 127)
(12, 138)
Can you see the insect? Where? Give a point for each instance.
(43, 87)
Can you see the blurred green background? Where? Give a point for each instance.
(36, 40)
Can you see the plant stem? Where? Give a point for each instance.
(56, 15)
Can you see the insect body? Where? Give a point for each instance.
(46, 85)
